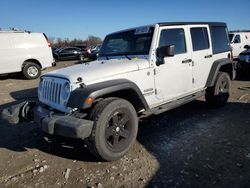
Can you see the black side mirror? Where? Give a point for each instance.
(166, 51)
(247, 47)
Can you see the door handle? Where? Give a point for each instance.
(187, 61)
(209, 56)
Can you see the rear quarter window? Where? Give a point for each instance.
(220, 41)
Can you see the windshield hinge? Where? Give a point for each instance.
(156, 71)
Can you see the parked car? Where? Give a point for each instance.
(238, 40)
(244, 60)
(95, 52)
(68, 53)
(95, 48)
(139, 72)
(86, 50)
(26, 52)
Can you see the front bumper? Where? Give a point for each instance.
(60, 124)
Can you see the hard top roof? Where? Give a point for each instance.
(174, 23)
(192, 23)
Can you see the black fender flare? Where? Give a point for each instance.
(79, 95)
(215, 70)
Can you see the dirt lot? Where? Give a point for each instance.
(191, 146)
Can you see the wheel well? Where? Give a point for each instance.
(33, 61)
(129, 95)
(228, 69)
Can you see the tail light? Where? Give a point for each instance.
(48, 42)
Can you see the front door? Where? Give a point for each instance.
(173, 79)
(237, 46)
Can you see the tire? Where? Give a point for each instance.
(115, 129)
(31, 70)
(218, 94)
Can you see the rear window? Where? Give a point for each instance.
(199, 38)
(220, 41)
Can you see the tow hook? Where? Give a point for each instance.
(19, 112)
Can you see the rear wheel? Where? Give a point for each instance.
(219, 93)
(31, 70)
(115, 129)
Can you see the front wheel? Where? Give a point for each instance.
(219, 93)
(115, 129)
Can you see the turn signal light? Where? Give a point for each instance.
(89, 101)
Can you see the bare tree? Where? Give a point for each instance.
(93, 40)
(59, 42)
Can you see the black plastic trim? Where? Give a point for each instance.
(193, 23)
(215, 69)
(78, 96)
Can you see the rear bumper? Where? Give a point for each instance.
(62, 125)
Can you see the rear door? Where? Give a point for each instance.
(173, 79)
(201, 54)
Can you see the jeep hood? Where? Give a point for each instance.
(99, 69)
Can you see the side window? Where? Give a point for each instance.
(220, 41)
(237, 39)
(199, 38)
(174, 37)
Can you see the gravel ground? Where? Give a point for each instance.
(191, 146)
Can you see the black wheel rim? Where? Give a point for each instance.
(118, 131)
(224, 86)
(223, 90)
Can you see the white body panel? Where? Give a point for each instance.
(17, 47)
(136, 70)
(202, 62)
(238, 46)
(174, 79)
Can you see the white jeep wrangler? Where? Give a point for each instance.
(139, 71)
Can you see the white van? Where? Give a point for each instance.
(25, 52)
(238, 40)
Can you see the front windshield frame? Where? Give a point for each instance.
(132, 37)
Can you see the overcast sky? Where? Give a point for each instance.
(79, 18)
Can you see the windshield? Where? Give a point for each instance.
(132, 42)
(231, 37)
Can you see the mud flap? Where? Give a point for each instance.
(17, 113)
